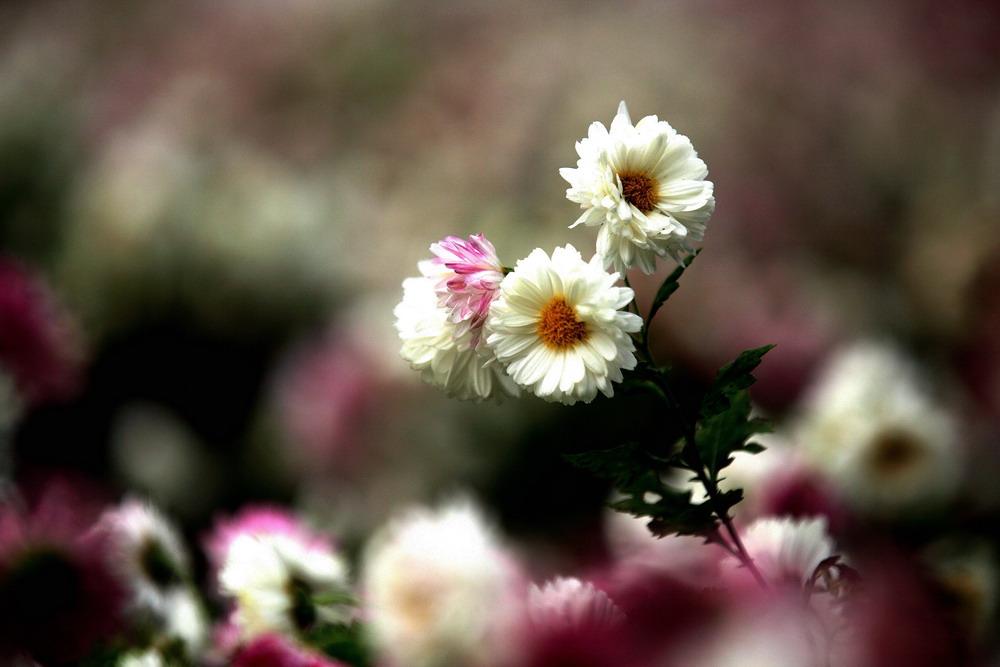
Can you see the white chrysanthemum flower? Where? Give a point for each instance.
(557, 328)
(569, 603)
(786, 550)
(430, 346)
(147, 658)
(878, 435)
(645, 186)
(186, 619)
(148, 552)
(275, 579)
(436, 583)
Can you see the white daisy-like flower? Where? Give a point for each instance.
(147, 658)
(645, 186)
(436, 583)
(557, 327)
(430, 346)
(148, 552)
(787, 551)
(871, 427)
(275, 579)
(567, 603)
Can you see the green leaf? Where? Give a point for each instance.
(731, 378)
(670, 511)
(342, 642)
(726, 432)
(670, 285)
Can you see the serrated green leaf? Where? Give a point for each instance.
(731, 378)
(728, 431)
(670, 285)
(343, 642)
(727, 500)
(671, 512)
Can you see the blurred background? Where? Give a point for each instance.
(225, 196)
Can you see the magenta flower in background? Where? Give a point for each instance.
(58, 597)
(469, 277)
(326, 391)
(40, 346)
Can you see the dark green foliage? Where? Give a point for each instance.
(730, 379)
(341, 642)
(726, 432)
(698, 438)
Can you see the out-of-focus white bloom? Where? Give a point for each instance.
(557, 328)
(185, 618)
(645, 186)
(571, 604)
(436, 583)
(147, 658)
(444, 360)
(876, 432)
(274, 578)
(147, 551)
(787, 551)
(779, 633)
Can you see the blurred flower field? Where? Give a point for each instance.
(216, 446)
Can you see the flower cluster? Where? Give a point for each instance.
(553, 324)
(720, 552)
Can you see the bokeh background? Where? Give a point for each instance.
(225, 196)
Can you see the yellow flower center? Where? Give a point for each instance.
(558, 327)
(640, 190)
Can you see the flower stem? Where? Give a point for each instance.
(693, 457)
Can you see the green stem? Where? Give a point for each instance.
(693, 459)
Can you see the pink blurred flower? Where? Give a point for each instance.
(277, 651)
(469, 275)
(326, 391)
(650, 616)
(259, 520)
(901, 617)
(39, 343)
(57, 595)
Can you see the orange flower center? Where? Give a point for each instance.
(558, 327)
(640, 190)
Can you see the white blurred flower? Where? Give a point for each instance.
(436, 582)
(787, 551)
(147, 658)
(274, 578)
(571, 604)
(778, 633)
(430, 346)
(147, 551)
(557, 328)
(878, 435)
(645, 186)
